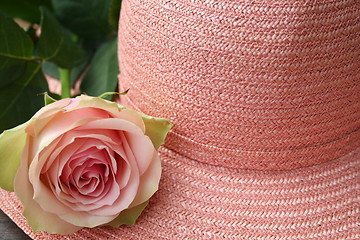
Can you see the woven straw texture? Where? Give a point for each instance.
(265, 101)
(199, 201)
(248, 85)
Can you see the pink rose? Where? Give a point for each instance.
(84, 162)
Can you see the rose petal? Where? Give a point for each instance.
(91, 218)
(63, 152)
(142, 148)
(12, 143)
(46, 199)
(109, 145)
(67, 144)
(37, 218)
(135, 136)
(55, 105)
(149, 181)
(99, 138)
(91, 179)
(91, 186)
(63, 122)
(133, 117)
(85, 101)
(54, 174)
(43, 194)
(42, 120)
(123, 172)
(129, 192)
(68, 139)
(86, 200)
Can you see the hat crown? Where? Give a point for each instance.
(247, 85)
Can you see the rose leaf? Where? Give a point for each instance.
(25, 9)
(15, 107)
(56, 45)
(104, 66)
(15, 43)
(91, 16)
(15, 47)
(114, 14)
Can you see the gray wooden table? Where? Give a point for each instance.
(9, 230)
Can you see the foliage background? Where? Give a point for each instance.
(77, 37)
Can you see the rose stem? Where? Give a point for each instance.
(65, 82)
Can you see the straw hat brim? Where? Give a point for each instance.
(199, 201)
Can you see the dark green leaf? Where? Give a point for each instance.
(84, 18)
(25, 9)
(15, 45)
(55, 44)
(102, 75)
(14, 42)
(15, 106)
(10, 70)
(114, 14)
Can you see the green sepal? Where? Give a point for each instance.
(156, 129)
(128, 216)
(50, 98)
(106, 94)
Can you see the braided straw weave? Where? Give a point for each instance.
(265, 101)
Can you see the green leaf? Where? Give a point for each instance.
(55, 44)
(114, 14)
(15, 46)
(85, 18)
(128, 216)
(156, 129)
(52, 69)
(14, 42)
(12, 143)
(15, 107)
(10, 70)
(102, 75)
(25, 9)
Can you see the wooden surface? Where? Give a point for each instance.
(9, 230)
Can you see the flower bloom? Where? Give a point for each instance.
(82, 162)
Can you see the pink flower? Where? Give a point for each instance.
(84, 162)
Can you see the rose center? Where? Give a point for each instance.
(89, 178)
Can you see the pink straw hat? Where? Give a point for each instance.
(265, 102)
